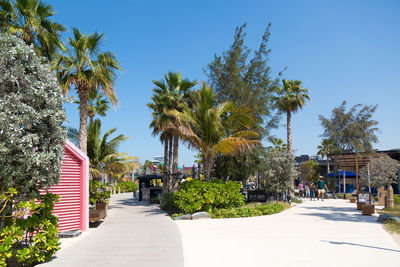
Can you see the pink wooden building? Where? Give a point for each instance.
(73, 188)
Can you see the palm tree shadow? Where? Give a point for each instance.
(360, 245)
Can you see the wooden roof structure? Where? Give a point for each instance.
(350, 160)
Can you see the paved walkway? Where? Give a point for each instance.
(328, 233)
(132, 235)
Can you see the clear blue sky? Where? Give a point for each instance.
(341, 50)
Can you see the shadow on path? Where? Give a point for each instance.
(360, 245)
(122, 203)
(339, 214)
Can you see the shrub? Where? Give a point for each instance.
(396, 199)
(127, 186)
(167, 202)
(257, 210)
(98, 192)
(197, 195)
(33, 238)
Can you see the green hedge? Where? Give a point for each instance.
(396, 199)
(127, 186)
(195, 195)
(257, 210)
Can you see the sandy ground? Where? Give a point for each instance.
(314, 233)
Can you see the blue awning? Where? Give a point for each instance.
(340, 174)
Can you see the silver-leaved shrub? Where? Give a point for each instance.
(31, 116)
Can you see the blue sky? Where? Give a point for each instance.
(341, 50)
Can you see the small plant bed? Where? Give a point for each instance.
(296, 200)
(257, 210)
(391, 225)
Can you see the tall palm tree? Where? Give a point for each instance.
(97, 105)
(169, 95)
(85, 69)
(289, 99)
(214, 128)
(31, 20)
(325, 150)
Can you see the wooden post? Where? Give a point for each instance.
(356, 173)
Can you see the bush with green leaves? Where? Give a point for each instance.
(32, 137)
(31, 234)
(257, 210)
(198, 195)
(127, 186)
(167, 202)
(98, 192)
(396, 200)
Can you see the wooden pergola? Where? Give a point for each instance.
(354, 161)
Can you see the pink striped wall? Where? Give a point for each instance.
(73, 188)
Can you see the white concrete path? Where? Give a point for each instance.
(134, 234)
(314, 233)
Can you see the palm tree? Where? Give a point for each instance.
(214, 128)
(85, 69)
(290, 99)
(31, 21)
(103, 153)
(278, 144)
(325, 149)
(97, 105)
(170, 95)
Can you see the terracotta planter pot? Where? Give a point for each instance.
(353, 199)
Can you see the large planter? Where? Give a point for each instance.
(368, 209)
(102, 206)
(360, 205)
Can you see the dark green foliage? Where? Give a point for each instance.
(246, 81)
(239, 168)
(32, 137)
(196, 196)
(353, 130)
(310, 171)
(155, 200)
(257, 210)
(167, 202)
(128, 186)
(39, 228)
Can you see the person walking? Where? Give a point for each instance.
(307, 190)
(301, 189)
(312, 191)
(321, 186)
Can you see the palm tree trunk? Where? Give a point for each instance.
(175, 178)
(83, 120)
(207, 163)
(165, 170)
(327, 159)
(91, 120)
(289, 132)
(170, 163)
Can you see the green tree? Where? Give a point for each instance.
(326, 149)
(31, 20)
(289, 99)
(309, 171)
(278, 144)
(352, 131)
(84, 69)
(279, 171)
(103, 152)
(148, 165)
(217, 128)
(32, 137)
(382, 170)
(170, 95)
(244, 80)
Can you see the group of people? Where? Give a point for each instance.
(310, 190)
